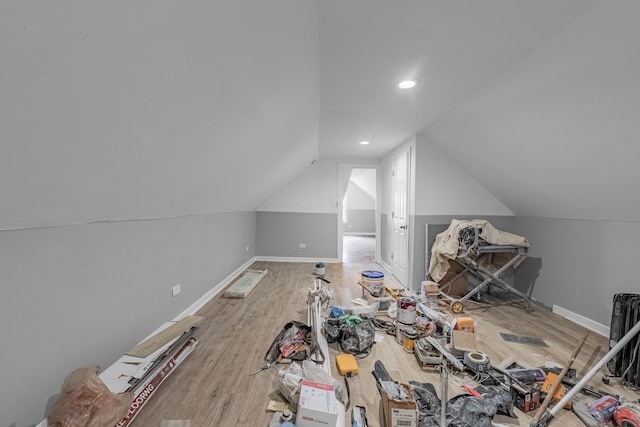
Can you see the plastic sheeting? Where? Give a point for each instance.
(447, 243)
(462, 411)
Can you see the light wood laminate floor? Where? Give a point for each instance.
(213, 386)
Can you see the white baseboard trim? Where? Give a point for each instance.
(384, 265)
(295, 259)
(359, 233)
(193, 308)
(582, 321)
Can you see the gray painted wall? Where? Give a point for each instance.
(278, 234)
(82, 295)
(580, 264)
(360, 221)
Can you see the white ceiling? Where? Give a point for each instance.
(118, 110)
(454, 48)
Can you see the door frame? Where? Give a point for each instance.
(344, 175)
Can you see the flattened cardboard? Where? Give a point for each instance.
(463, 341)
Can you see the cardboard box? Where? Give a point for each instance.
(399, 413)
(146, 389)
(462, 342)
(430, 293)
(459, 286)
(317, 406)
(524, 398)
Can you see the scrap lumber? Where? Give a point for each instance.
(245, 284)
(153, 343)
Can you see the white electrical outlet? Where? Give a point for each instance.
(302, 245)
(247, 249)
(175, 290)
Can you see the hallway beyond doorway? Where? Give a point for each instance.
(358, 248)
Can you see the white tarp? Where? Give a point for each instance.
(446, 245)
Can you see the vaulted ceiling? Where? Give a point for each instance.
(130, 110)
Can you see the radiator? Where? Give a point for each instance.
(625, 314)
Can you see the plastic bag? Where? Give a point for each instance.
(462, 410)
(358, 338)
(289, 383)
(315, 373)
(86, 402)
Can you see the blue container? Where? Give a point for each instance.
(372, 274)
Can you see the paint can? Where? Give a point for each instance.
(374, 281)
(406, 310)
(400, 328)
(410, 336)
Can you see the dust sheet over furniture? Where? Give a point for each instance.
(478, 248)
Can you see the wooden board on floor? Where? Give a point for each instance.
(245, 284)
(153, 343)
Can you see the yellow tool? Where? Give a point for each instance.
(347, 364)
(392, 292)
(348, 368)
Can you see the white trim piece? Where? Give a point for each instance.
(359, 233)
(582, 321)
(295, 259)
(384, 265)
(245, 284)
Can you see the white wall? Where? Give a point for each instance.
(361, 208)
(305, 201)
(313, 190)
(358, 199)
(444, 187)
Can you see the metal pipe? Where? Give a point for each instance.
(443, 400)
(314, 315)
(576, 389)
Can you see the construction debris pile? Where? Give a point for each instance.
(442, 344)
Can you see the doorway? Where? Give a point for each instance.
(358, 216)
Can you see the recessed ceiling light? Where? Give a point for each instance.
(407, 84)
(364, 142)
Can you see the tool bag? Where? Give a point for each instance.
(294, 342)
(353, 338)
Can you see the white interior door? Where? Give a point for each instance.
(400, 239)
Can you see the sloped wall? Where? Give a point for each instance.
(556, 139)
(441, 190)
